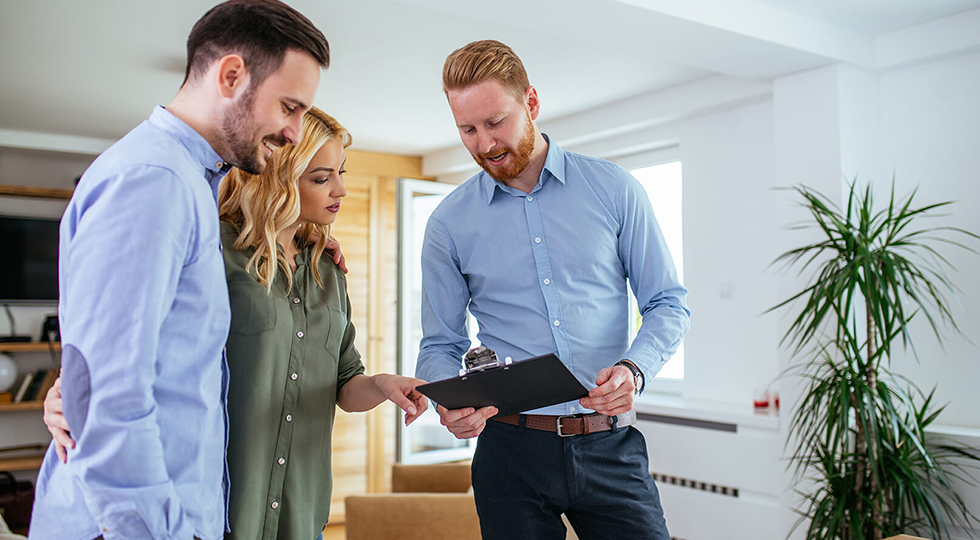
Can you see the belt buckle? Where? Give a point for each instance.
(558, 426)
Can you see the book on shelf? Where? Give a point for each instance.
(35, 385)
(28, 377)
(46, 384)
(36, 381)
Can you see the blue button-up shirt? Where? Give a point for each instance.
(546, 272)
(144, 317)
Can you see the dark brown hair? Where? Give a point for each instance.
(259, 30)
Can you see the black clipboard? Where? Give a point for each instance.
(521, 386)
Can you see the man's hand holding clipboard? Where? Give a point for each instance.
(468, 401)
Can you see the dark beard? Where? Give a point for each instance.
(522, 157)
(240, 138)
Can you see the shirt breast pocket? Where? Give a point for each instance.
(252, 309)
(336, 325)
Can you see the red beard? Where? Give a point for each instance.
(522, 156)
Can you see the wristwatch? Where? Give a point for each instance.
(637, 374)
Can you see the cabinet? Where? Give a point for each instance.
(21, 424)
(36, 192)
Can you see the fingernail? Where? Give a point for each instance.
(411, 411)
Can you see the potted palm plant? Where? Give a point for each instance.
(859, 430)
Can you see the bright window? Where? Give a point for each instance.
(663, 186)
(427, 441)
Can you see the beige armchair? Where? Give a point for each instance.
(428, 502)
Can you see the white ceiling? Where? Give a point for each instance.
(873, 16)
(96, 68)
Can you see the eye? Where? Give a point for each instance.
(469, 130)
(342, 172)
(288, 108)
(321, 181)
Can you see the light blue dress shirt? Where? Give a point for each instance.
(546, 272)
(144, 316)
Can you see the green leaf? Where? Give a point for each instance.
(859, 431)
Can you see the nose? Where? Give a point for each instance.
(293, 132)
(340, 189)
(485, 141)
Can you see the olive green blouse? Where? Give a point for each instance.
(289, 353)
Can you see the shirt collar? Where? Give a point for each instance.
(196, 144)
(554, 163)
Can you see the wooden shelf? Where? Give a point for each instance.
(25, 463)
(36, 192)
(33, 346)
(35, 405)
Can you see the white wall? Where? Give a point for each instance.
(729, 230)
(931, 140)
(41, 168)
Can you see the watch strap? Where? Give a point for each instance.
(636, 373)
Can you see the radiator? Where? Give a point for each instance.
(717, 480)
(725, 480)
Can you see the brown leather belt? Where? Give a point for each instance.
(566, 426)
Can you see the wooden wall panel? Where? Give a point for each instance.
(352, 229)
(367, 229)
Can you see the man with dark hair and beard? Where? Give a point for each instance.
(538, 246)
(143, 304)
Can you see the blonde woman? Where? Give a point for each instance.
(291, 348)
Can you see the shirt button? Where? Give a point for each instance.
(299, 334)
(275, 504)
(282, 461)
(557, 323)
(289, 417)
(537, 240)
(295, 300)
(530, 198)
(294, 376)
(547, 281)
(220, 164)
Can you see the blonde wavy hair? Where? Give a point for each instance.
(262, 206)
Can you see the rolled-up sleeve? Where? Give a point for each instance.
(350, 364)
(125, 247)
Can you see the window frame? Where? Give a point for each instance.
(406, 189)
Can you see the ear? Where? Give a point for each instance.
(531, 102)
(233, 76)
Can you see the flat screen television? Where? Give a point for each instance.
(28, 260)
